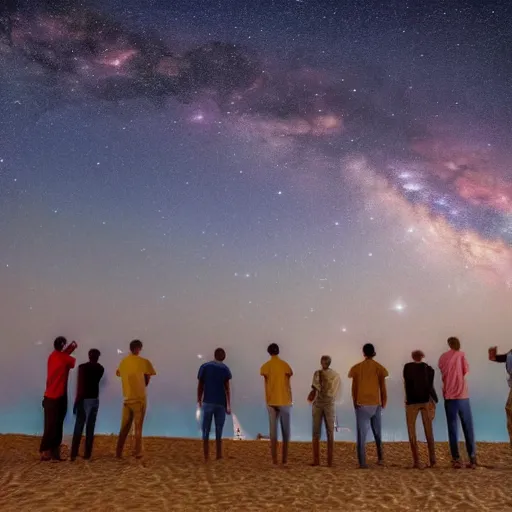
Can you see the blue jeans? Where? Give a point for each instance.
(279, 414)
(86, 413)
(460, 408)
(368, 416)
(213, 412)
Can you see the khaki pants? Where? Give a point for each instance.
(323, 412)
(133, 414)
(427, 411)
(508, 410)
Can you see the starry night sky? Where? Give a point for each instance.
(202, 174)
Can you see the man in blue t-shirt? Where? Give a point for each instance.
(213, 396)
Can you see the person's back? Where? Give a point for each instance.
(213, 396)
(420, 398)
(277, 375)
(327, 383)
(278, 395)
(55, 401)
(89, 375)
(59, 365)
(325, 389)
(132, 370)
(418, 381)
(454, 367)
(370, 397)
(368, 377)
(87, 403)
(135, 372)
(214, 375)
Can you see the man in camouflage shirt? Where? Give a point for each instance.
(324, 393)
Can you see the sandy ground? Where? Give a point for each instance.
(173, 477)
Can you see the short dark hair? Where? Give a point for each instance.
(273, 349)
(219, 354)
(59, 343)
(135, 345)
(94, 355)
(417, 355)
(369, 350)
(454, 343)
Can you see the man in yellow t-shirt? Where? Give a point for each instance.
(370, 397)
(135, 373)
(278, 394)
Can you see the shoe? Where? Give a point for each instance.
(472, 464)
(46, 456)
(457, 464)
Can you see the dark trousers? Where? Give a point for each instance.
(86, 413)
(55, 410)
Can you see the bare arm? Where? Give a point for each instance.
(383, 391)
(228, 396)
(354, 391)
(200, 391)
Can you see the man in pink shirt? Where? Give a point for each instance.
(454, 368)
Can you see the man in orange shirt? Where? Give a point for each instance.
(55, 401)
(278, 394)
(370, 397)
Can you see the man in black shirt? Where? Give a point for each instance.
(87, 403)
(420, 397)
(507, 359)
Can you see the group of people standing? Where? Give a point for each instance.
(135, 373)
(369, 396)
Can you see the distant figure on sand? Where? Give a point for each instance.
(214, 397)
(507, 359)
(87, 403)
(278, 395)
(370, 397)
(55, 401)
(324, 393)
(135, 373)
(420, 397)
(454, 368)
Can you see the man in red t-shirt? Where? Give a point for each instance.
(55, 401)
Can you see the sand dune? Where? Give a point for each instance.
(172, 477)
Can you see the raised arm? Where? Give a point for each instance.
(495, 357)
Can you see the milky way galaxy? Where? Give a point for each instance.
(270, 172)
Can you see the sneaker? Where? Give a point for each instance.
(457, 464)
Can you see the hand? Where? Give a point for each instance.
(200, 403)
(311, 396)
(228, 409)
(492, 353)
